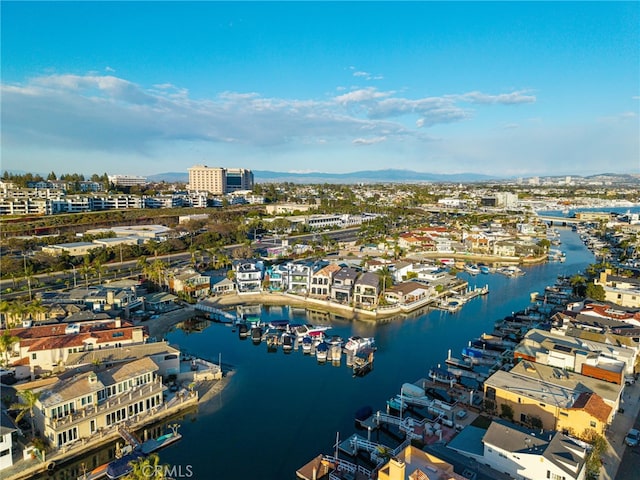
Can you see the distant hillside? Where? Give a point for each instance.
(169, 177)
(366, 176)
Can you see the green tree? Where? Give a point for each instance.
(147, 468)
(28, 400)
(7, 341)
(579, 285)
(5, 308)
(595, 292)
(385, 278)
(506, 411)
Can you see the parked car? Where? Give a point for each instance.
(633, 438)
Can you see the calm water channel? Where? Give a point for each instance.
(280, 410)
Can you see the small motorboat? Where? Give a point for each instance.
(357, 343)
(307, 344)
(321, 352)
(287, 340)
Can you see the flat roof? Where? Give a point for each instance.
(552, 385)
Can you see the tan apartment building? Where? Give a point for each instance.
(558, 400)
(218, 180)
(92, 402)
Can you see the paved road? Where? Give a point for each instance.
(622, 462)
(629, 465)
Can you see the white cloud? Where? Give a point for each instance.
(111, 114)
(368, 141)
(503, 98)
(361, 95)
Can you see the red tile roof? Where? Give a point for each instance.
(594, 405)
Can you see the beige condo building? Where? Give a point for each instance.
(218, 180)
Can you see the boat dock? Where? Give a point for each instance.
(211, 312)
(454, 302)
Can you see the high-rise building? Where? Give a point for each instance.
(239, 179)
(207, 179)
(218, 180)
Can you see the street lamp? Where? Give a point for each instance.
(27, 275)
(75, 284)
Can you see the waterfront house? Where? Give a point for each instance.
(322, 279)
(82, 405)
(190, 283)
(166, 357)
(223, 286)
(248, 275)
(7, 432)
(407, 292)
(297, 277)
(401, 270)
(366, 290)
(593, 359)
(505, 248)
(275, 278)
(523, 453)
(343, 282)
(45, 348)
(170, 361)
(159, 301)
(551, 398)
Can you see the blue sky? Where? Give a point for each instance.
(504, 88)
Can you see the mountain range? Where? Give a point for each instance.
(390, 176)
(364, 176)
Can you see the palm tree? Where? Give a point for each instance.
(385, 278)
(99, 269)
(7, 341)
(28, 274)
(35, 309)
(85, 270)
(5, 308)
(18, 310)
(28, 400)
(147, 468)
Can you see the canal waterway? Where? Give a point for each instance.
(279, 410)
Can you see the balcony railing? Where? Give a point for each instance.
(121, 400)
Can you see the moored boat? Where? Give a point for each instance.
(335, 353)
(244, 330)
(256, 334)
(441, 375)
(279, 324)
(95, 474)
(363, 361)
(471, 268)
(356, 343)
(123, 466)
(305, 329)
(272, 338)
(287, 340)
(155, 444)
(307, 344)
(322, 351)
(457, 363)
